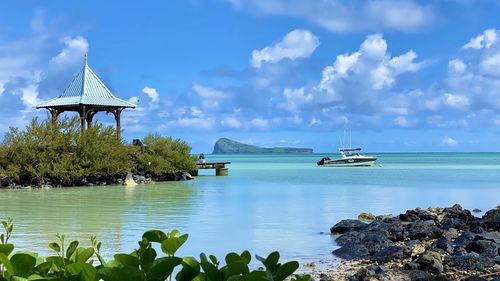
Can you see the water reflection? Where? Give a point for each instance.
(267, 203)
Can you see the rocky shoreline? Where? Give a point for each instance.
(433, 244)
(122, 179)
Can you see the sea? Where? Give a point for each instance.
(267, 203)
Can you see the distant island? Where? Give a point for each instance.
(227, 146)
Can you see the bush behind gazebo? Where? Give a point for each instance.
(61, 154)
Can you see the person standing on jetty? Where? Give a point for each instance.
(201, 158)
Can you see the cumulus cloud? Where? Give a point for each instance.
(342, 16)
(298, 43)
(457, 66)
(210, 97)
(153, 95)
(73, 52)
(449, 141)
(484, 40)
(294, 98)
(259, 123)
(401, 121)
(207, 92)
(231, 123)
(29, 95)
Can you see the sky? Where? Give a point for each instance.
(400, 75)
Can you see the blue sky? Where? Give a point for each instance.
(401, 75)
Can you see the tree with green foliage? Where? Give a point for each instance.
(60, 151)
(162, 155)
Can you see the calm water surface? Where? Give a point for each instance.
(267, 203)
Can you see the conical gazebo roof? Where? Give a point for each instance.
(86, 89)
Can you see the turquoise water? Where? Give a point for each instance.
(268, 202)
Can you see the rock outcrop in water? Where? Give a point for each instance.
(432, 244)
(227, 146)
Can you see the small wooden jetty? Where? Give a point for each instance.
(220, 167)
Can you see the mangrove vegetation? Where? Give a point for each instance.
(59, 153)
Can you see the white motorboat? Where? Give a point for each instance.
(350, 157)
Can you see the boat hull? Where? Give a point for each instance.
(349, 162)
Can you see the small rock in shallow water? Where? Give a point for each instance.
(310, 264)
(368, 217)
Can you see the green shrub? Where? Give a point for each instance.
(165, 155)
(73, 262)
(60, 150)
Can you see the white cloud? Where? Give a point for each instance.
(485, 40)
(258, 123)
(153, 95)
(29, 95)
(457, 66)
(343, 16)
(207, 92)
(231, 122)
(490, 65)
(294, 98)
(134, 99)
(449, 141)
(348, 74)
(401, 121)
(299, 43)
(73, 52)
(193, 123)
(457, 101)
(209, 96)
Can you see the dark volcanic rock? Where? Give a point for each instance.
(472, 261)
(443, 244)
(418, 275)
(424, 229)
(483, 247)
(394, 228)
(391, 253)
(459, 213)
(352, 252)
(463, 240)
(431, 262)
(417, 214)
(475, 278)
(491, 220)
(376, 241)
(347, 225)
(493, 236)
(350, 238)
(448, 223)
(455, 243)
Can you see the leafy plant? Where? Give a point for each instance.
(165, 155)
(75, 263)
(60, 152)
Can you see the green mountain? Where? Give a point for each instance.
(227, 146)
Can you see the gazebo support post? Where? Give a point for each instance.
(117, 113)
(54, 113)
(90, 116)
(82, 117)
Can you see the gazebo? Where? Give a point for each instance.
(87, 95)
